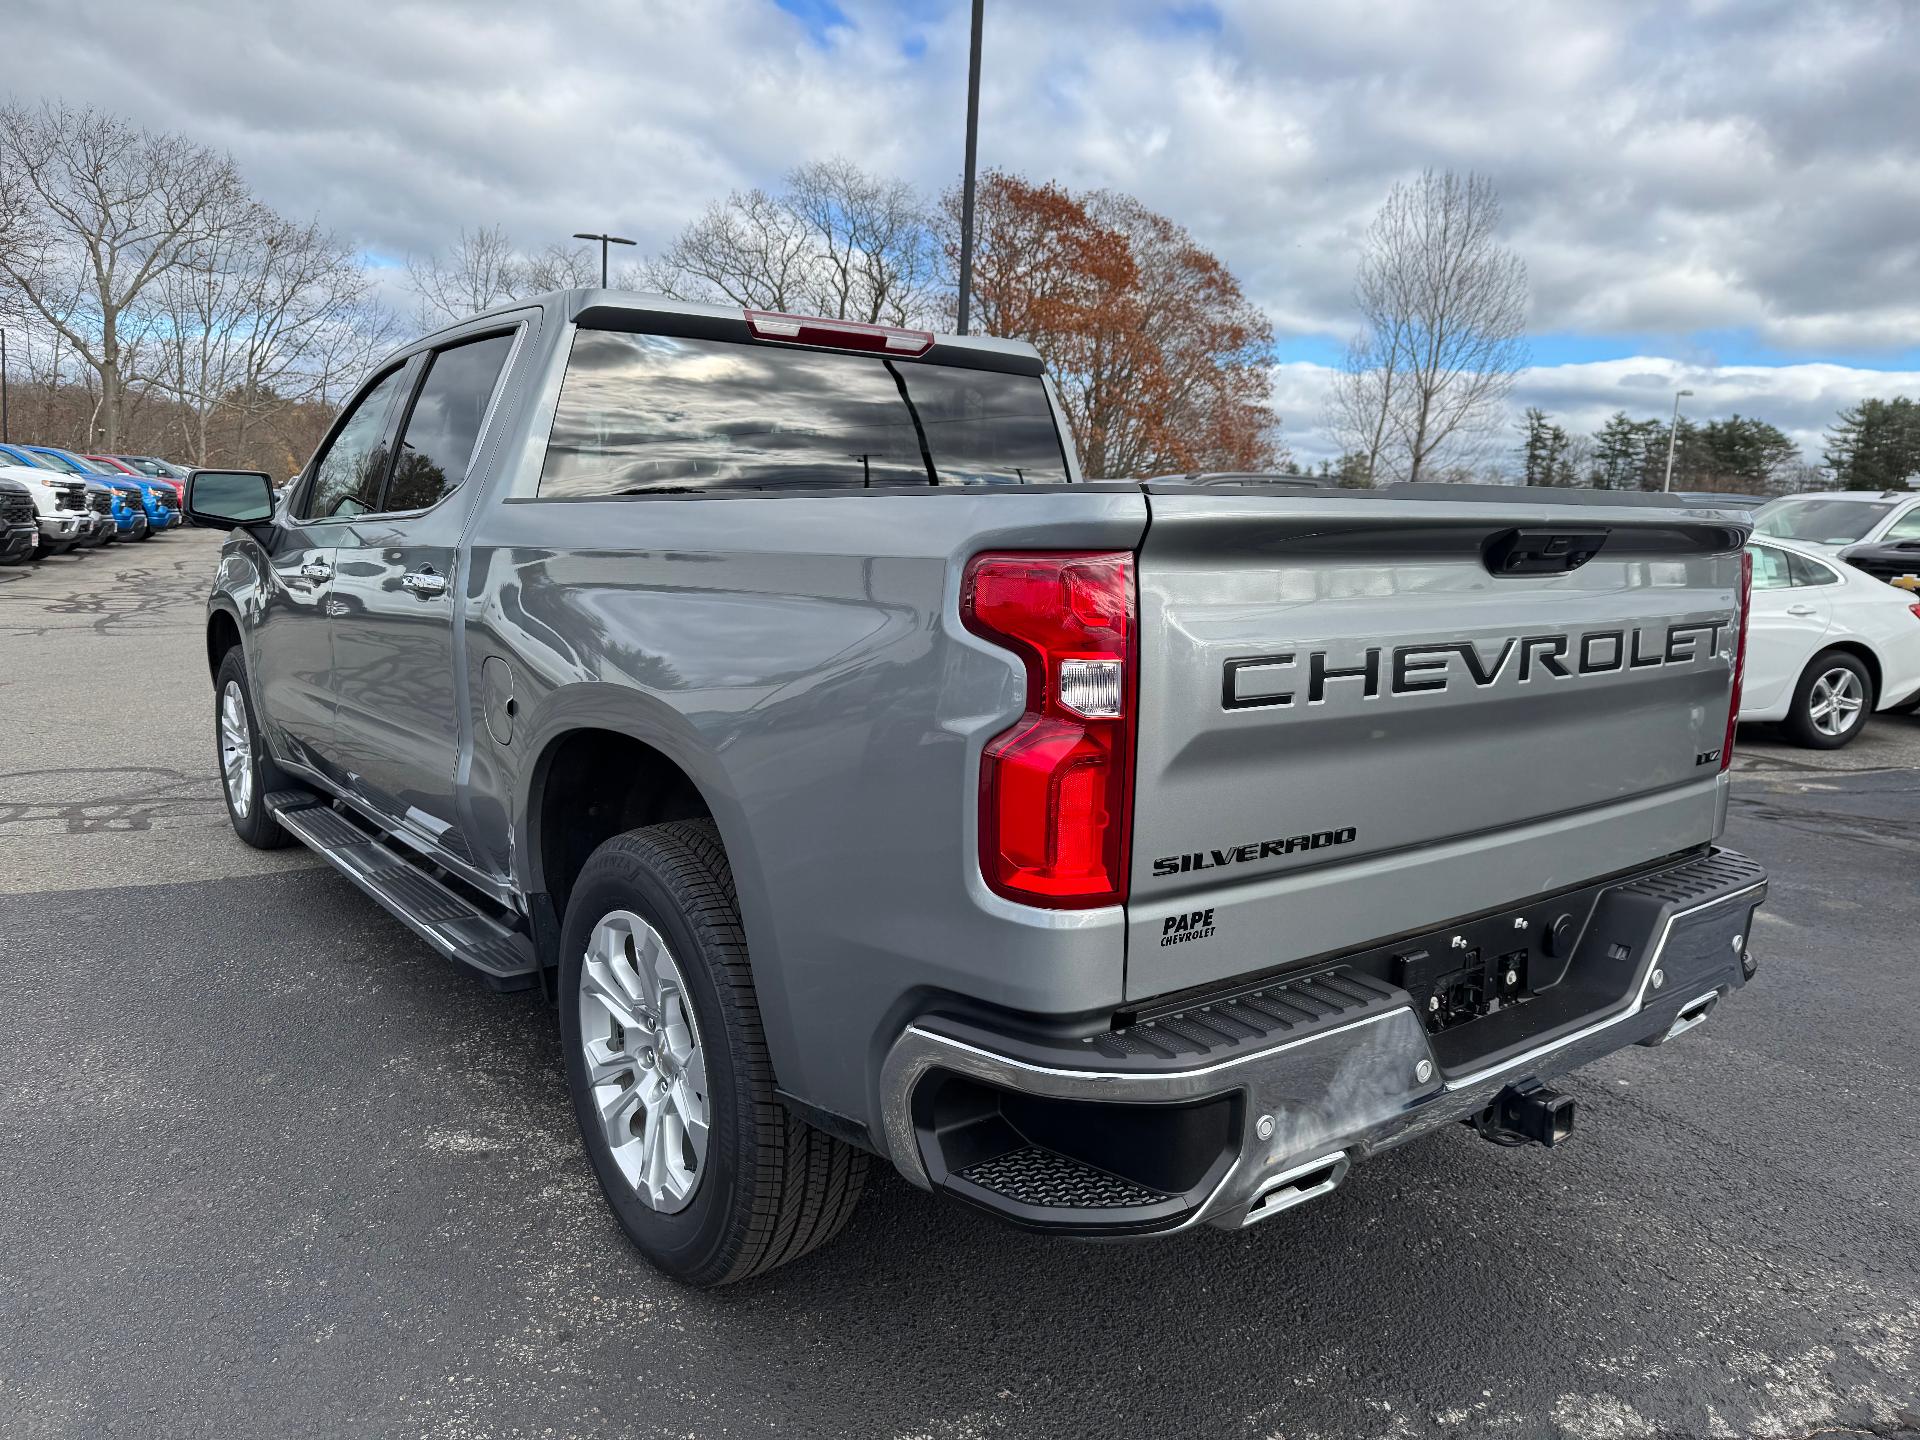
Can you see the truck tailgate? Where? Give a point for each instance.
(1365, 714)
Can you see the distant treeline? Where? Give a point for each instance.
(1874, 445)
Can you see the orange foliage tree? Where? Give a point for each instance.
(1160, 361)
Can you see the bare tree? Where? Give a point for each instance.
(1443, 305)
(481, 269)
(485, 268)
(109, 209)
(558, 268)
(265, 316)
(834, 241)
(1363, 403)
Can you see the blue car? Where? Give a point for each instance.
(129, 508)
(160, 500)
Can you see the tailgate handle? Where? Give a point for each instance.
(1541, 552)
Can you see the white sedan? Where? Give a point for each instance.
(1826, 645)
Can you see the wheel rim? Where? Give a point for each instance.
(646, 1070)
(1836, 702)
(236, 749)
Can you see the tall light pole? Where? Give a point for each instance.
(966, 188)
(605, 240)
(4, 437)
(1673, 434)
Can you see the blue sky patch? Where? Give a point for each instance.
(820, 17)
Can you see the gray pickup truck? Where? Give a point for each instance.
(1113, 856)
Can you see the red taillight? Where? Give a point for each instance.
(1916, 611)
(1739, 658)
(1056, 789)
(838, 334)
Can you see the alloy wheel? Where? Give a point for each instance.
(1837, 698)
(645, 1065)
(236, 749)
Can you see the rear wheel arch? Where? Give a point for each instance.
(590, 783)
(665, 776)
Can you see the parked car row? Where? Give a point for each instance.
(53, 501)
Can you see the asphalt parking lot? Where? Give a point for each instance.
(267, 1167)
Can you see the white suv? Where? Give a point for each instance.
(1831, 520)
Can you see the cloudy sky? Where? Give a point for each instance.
(1721, 194)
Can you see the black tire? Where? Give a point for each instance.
(251, 820)
(770, 1188)
(1804, 726)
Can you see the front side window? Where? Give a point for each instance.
(348, 477)
(1770, 570)
(25, 457)
(664, 414)
(437, 447)
(1907, 527)
(60, 463)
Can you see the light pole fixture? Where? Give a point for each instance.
(1673, 434)
(4, 436)
(966, 188)
(605, 240)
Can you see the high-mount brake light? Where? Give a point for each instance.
(1056, 788)
(1739, 659)
(838, 334)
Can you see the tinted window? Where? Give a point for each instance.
(438, 444)
(347, 479)
(1826, 522)
(1769, 568)
(1810, 572)
(640, 413)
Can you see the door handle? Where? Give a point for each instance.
(316, 570)
(1801, 610)
(424, 582)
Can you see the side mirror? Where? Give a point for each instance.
(229, 499)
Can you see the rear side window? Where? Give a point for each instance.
(663, 414)
(437, 446)
(1810, 572)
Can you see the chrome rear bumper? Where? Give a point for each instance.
(1363, 1076)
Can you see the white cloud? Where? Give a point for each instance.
(1702, 179)
(1668, 167)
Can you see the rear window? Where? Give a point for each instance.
(1824, 522)
(664, 414)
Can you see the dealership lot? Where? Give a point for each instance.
(268, 1167)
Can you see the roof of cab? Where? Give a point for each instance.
(567, 306)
